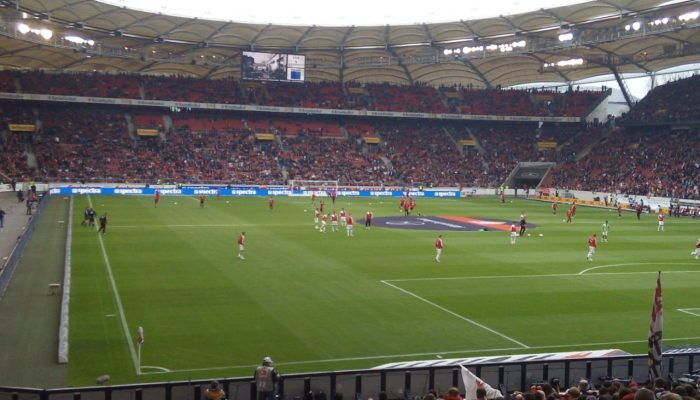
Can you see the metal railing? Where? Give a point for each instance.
(403, 383)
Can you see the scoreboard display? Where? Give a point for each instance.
(272, 66)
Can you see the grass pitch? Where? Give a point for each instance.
(316, 301)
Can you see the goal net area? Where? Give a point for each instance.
(315, 185)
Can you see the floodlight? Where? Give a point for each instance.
(46, 33)
(636, 25)
(23, 28)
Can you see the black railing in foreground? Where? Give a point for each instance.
(404, 383)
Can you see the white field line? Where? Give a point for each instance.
(433, 353)
(117, 299)
(463, 318)
(625, 264)
(688, 311)
(204, 226)
(537, 276)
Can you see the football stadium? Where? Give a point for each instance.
(232, 201)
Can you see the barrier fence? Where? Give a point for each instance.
(400, 383)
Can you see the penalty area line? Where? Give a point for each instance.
(450, 278)
(454, 314)
(627, 264)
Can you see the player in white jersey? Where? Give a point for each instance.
(324, 219)
(696, 253)
(661, 219)
(513, 233)
(317, 214)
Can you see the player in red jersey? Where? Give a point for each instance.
(554, 208)
(619, 210)
(638, 210)
(320, 205)
(241, 245)
(202, 199)
(271, 203)
(696, 253)
(569, 214)
(438, 248)
(343, 217)
(502, 196)
(592, 245)
(573, 209)
(513, 233)
(661, 219)
(334, 222)
(368, 219)
(313, 197)
(402, 203)
(156, 198)
(348, 226)
(406, 208)
(317, 214)
(411, 204)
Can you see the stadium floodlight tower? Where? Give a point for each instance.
(321, 185)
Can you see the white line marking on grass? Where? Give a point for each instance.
(624, 264)
(688, 311)
(161, 369)
(117, 299)
(416, 355)
(532, 276)
(463, 318)
(202, 226)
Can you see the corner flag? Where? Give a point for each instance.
(139, 336)
(656, 327)
(472, 382)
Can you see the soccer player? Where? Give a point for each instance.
(661, 218)
(324, 221)
(502, 196)
(406, 208)
(241, 245)
(320, 205)
(103, 224)
(606, 228)
(348, 227)
(402, 203)
(271, 203)
(438, 248)
(317, 214)
(638, 210)
(513, 233)
(619, 210)
(573, 209)
(696, 253)
(554, 208)
(86, 216)
(333, 195)
(334, 222)
(592, 245)
(368, 219)
(343, 217)
(569, 213)
(523, 223)
(202, 199)
(156, 198)
(411, 204)
(313, 197)
(91, 216)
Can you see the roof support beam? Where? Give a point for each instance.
(622, 85)
(612, 54)
(478, 73)
(303, 36)
(387, 31)
(341, 54)
(556, 71)
(255, 39)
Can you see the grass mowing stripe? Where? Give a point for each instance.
(419, 355)
(449, 278)
(117, 299)
(495, 332)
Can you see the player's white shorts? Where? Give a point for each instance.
(439, 252)
(661, 223)
(335, 224)
(241, 247)
(591, 249)
(514, 234)
(343, 219)
(315, 221)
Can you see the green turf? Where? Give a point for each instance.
(328, 302)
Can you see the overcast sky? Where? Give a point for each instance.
(340, 13)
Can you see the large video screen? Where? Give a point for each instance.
(272, 66)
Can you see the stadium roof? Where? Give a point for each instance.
(606, 35)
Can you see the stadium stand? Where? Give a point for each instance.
(673, 101)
